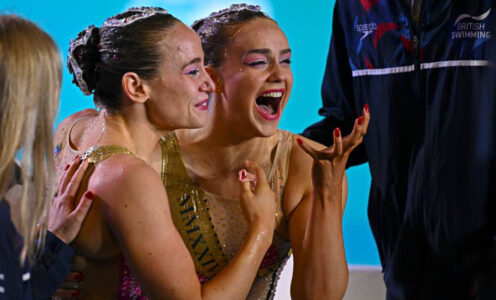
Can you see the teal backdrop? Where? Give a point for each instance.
(308, 28)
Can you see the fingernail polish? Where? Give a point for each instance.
(90, 195)
(243, 174)
(75, 294)
(79, 277)
(66, 167)
(76, 157)
(337, 132)
(299, 141)
(366, 106)
(360, 120)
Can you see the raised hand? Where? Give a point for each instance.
(329, 163)
(65, 217)
(258, 201)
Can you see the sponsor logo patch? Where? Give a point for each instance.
(471, 27)
(365, 29)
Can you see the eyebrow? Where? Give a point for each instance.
(193, 61)
(267, 51)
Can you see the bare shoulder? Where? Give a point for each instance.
(65, 124)
(125, 188)
(299, 183)
(124, 176)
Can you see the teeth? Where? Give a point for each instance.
(273, 95)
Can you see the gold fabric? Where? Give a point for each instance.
(97, 154)
(190, 212)
(213, 228)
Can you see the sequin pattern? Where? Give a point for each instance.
(224, 214)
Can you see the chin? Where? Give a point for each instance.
(267, 130)
(194, 125)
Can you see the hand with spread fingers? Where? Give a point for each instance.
(258, 201)
(65, 217)
(315, 223)
(329, 163)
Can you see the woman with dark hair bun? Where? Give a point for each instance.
(146, 71)
(248, 57)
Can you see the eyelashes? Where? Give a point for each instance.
(257, 63)
(286, 61)
(192, 71)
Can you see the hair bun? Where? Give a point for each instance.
(83, 59)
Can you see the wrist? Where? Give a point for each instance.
(330, 200)
(261, 233)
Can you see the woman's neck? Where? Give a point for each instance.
(132, 131)
(216, 150)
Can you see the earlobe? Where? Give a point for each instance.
(134, 87)
(219, 84)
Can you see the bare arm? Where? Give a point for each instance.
(316, 210)
(136, 208)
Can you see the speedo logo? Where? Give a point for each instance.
(471, 27)
(365, 29)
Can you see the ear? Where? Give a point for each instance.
(214, 74)
(135, 88)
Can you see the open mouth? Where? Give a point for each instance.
(268, 103)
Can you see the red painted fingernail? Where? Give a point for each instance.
(76, 157)
(366, 106)
(299, 141)
(337, 132)
(360, 120)
(66, 167)
(75, 294)
(90, 195)
(79, 277)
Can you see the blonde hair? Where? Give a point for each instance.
(30, 79)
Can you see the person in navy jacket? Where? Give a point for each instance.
(427, 71)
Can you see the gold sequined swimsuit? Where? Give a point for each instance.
(213, 228)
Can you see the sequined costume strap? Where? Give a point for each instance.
(189, 212)
(97, 154)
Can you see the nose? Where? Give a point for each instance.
(277, 73)
(208, 85)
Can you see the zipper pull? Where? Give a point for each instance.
(415, 43)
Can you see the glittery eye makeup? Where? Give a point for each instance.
(285, 57)
(192, 67)
(255, 60)
(192, 70)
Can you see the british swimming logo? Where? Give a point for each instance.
(471, 27)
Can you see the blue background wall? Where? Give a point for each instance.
(308, 27)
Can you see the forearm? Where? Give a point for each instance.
(236, 279)
(320, 269)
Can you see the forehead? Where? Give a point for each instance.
(182, 44)
(259, 33)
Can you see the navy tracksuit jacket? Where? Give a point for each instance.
(431, 143)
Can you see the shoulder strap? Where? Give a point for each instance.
(97, 154)
(189, 211)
